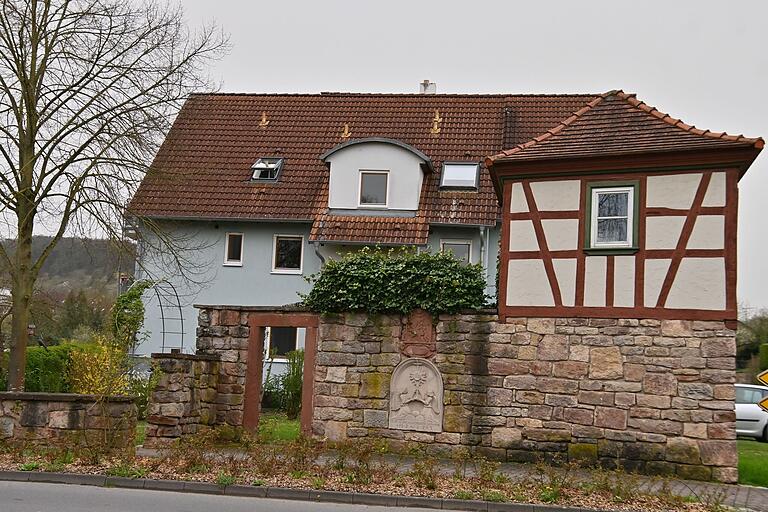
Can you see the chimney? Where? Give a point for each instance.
(427, 87)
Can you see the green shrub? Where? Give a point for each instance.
(291, 383)
(392, 281)
(763, 356)
(47, 369)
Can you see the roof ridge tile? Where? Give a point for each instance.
(630, 99)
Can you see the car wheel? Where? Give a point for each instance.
(764, 437)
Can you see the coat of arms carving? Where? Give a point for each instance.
(416, 397)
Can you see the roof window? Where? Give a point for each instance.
(267, 168)
(460, 175)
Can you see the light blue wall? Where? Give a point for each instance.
(209, 281)
(438, 233)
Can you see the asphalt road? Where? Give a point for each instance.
(41, 497)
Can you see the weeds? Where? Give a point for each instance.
(127, 471)
(29, 466)
(224, 479)
(462, 494)
(494, 496)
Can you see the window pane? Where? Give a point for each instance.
(288, 253)
(460, 175)
(234, 247)
(612, 204)
(459, 251)
(282, 340)
(373, 189)
(742, 396)
(611, 230)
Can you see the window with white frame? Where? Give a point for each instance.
(280, 341)
(612, 217)
(374, 188)
(287, 254)
(460, 175)
(267, 168)
(233, 249)
(459, 249)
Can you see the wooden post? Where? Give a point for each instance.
(308, 380)
(255, 366)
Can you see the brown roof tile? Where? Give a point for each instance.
(203, 168)
(378, 230)
(618, 123)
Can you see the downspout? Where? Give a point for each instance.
(316, 246)
(484, 252)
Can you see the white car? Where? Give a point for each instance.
(751, 420)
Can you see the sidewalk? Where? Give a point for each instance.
(736, 496)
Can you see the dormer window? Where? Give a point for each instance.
(267, 169)
(374, 188)
(463, 175)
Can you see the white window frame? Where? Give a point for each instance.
(227, 261)
(457, 241)
(630, 217)
(291, 271)
(476, 185)
(360, 204)
(268, 345)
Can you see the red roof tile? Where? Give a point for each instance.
(377, 230)
(203, 168)
(618, 123)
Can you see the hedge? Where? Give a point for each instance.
(376, 281)
(47, 369)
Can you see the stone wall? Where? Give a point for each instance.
(654, 396)
(185, 396)
(203, 389)
(41, 418)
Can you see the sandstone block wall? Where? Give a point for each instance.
(654, 396)
(40, 418)
(203, 389)
(184, 398)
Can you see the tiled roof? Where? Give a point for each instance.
(378, 230)
(618, 123)
(203, 168)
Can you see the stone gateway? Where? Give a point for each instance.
(416, 397)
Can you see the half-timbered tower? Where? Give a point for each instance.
(621, 211)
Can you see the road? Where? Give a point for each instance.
(42, 497)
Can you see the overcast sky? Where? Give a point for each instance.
(704, 62)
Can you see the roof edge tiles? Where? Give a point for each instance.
(631, 99)
(379, 140)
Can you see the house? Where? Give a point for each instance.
(266, 187)
(614, 228)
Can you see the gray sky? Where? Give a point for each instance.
(704, 62)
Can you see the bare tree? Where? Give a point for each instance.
(87, 89)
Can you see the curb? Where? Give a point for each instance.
(282, 493)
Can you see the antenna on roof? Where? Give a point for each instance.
(427, 87)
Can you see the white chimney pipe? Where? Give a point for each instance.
(427, 87)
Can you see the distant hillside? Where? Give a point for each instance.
(77, 263)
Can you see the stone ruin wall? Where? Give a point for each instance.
(203, 389)
(44, 418)
(654, 396)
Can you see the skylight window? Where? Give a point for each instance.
(460, 175)
(267, 168)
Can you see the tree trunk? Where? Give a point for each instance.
(23, 275)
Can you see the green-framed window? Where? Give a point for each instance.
(612, 211)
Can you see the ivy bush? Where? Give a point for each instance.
(393, 281)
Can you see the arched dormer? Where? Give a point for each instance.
(375, 174)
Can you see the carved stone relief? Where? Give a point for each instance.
(418, 338)
(416, 397)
